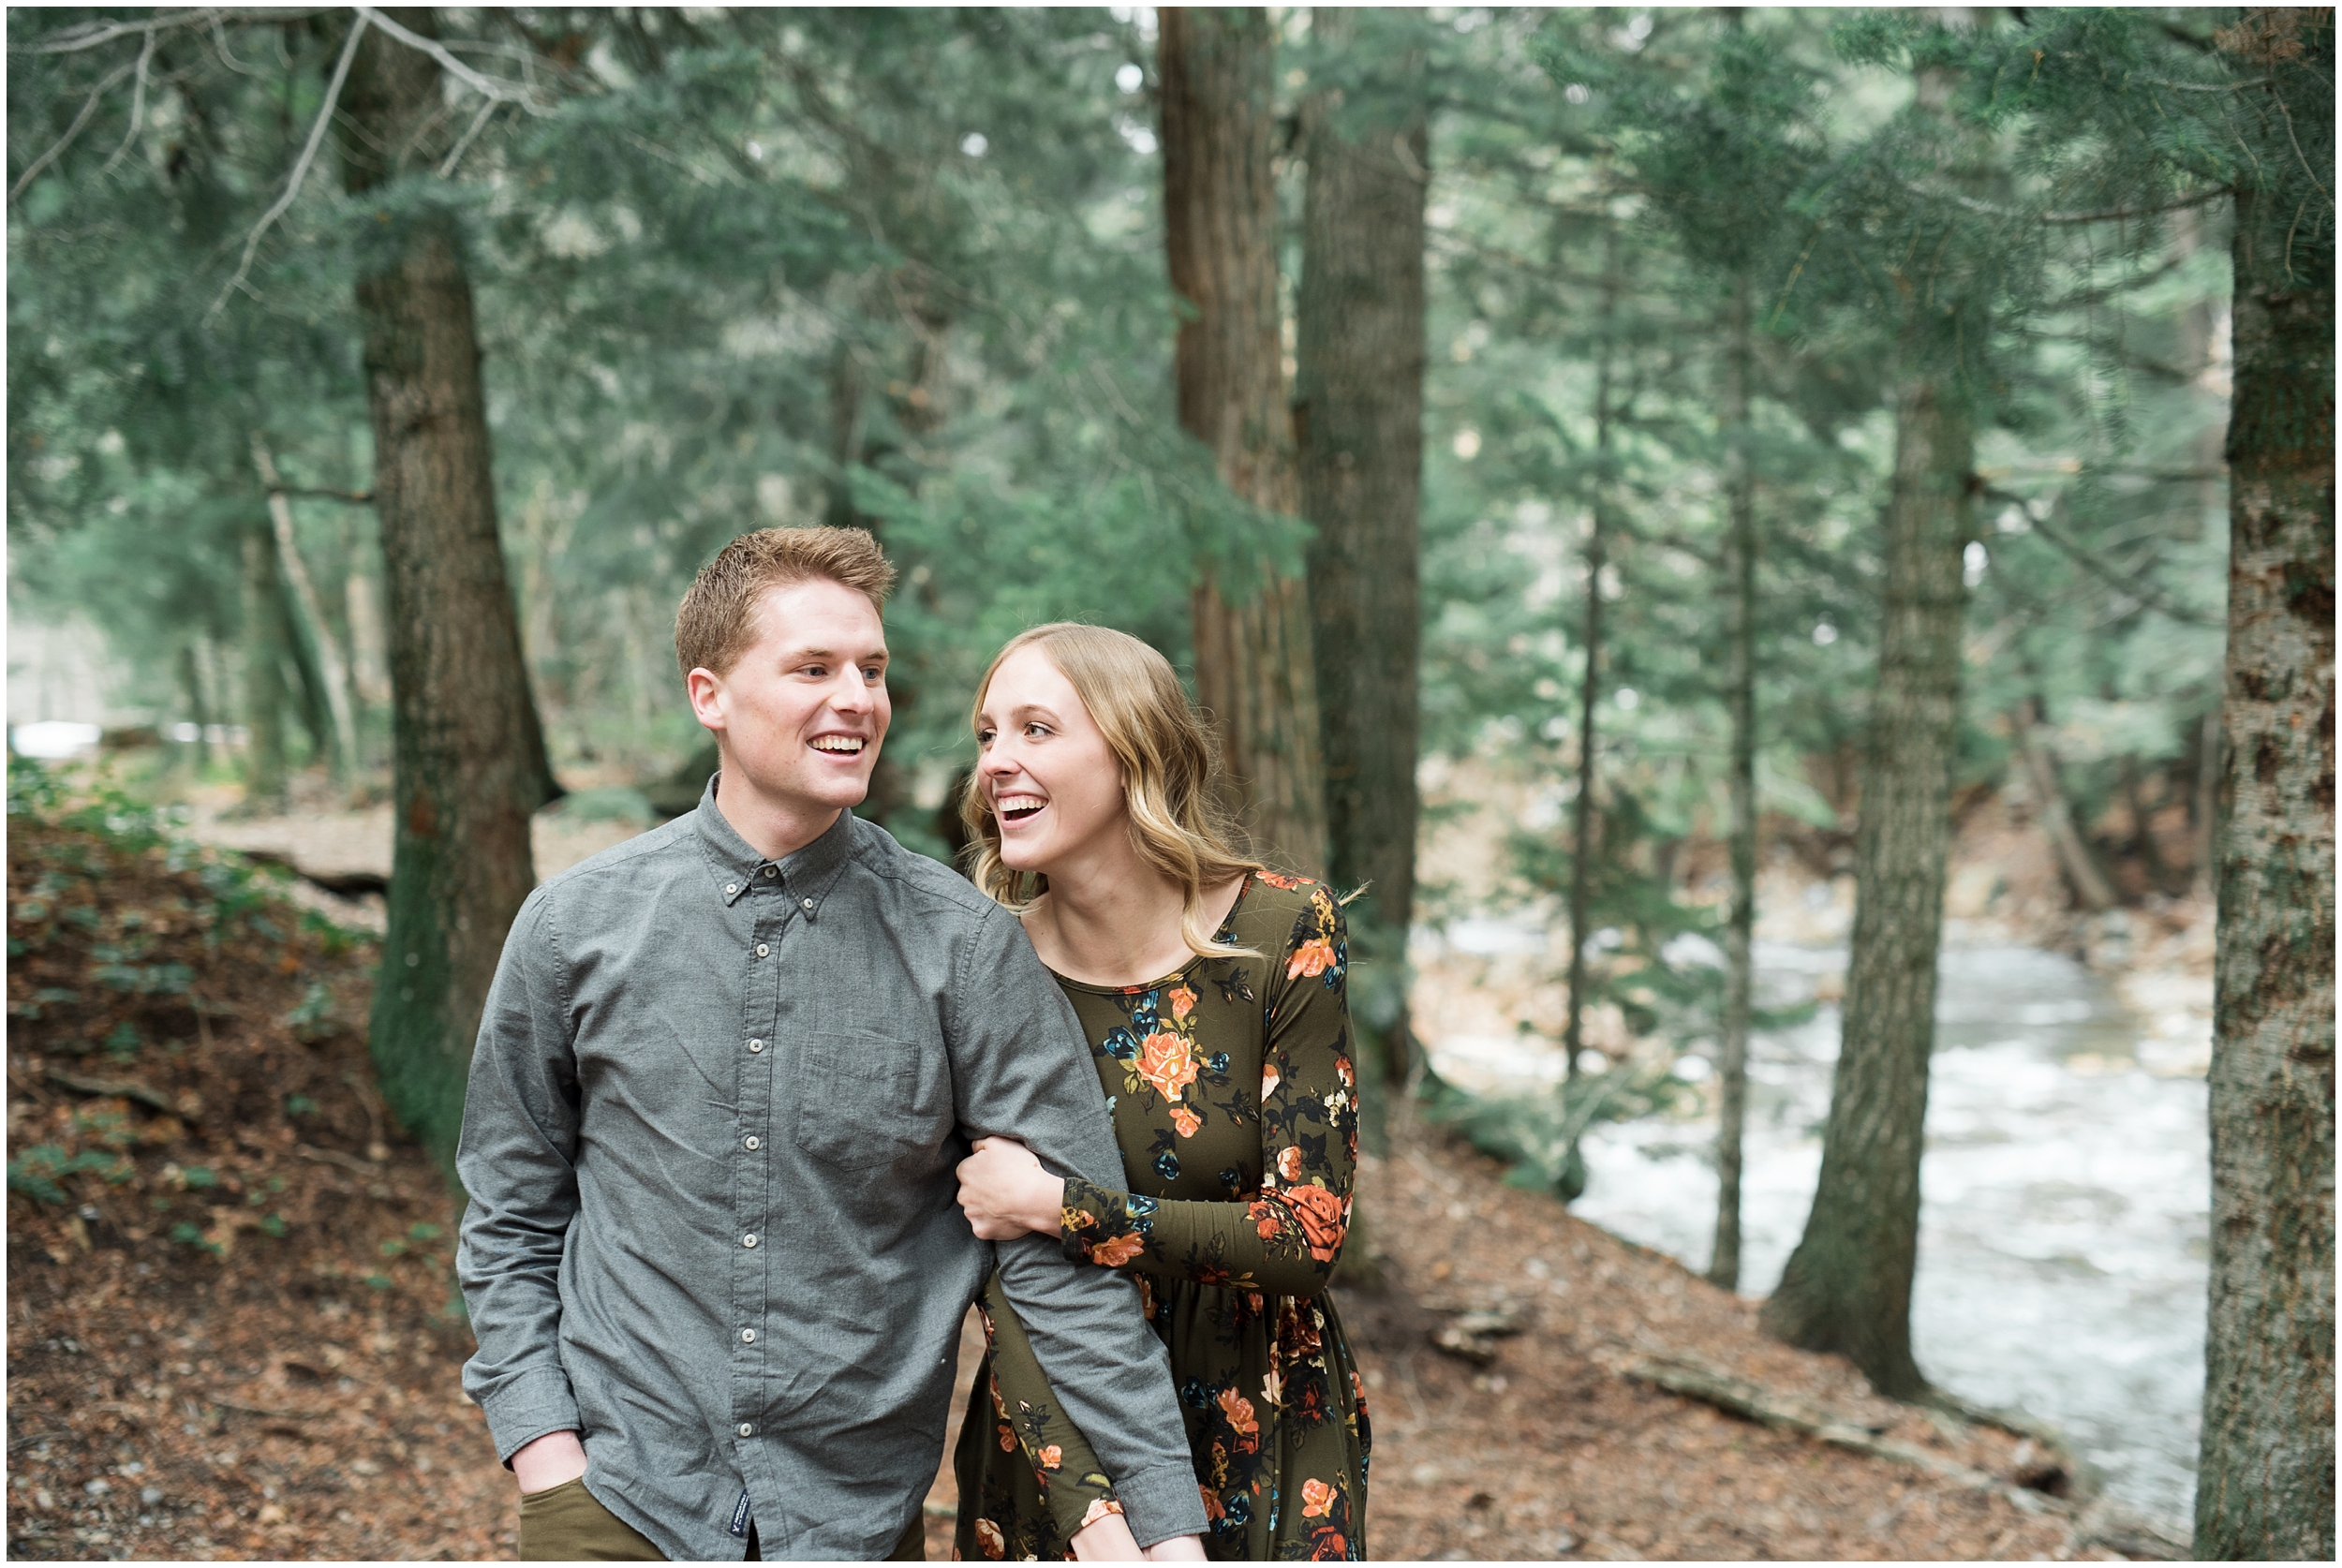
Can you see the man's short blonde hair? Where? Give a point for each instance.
(717, 622)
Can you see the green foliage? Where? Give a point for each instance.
(1538, 1134)
(37, 1172)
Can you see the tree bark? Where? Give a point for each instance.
(332, 672)
(1724, 1265)
(1581, 845)
(1254, 673)
(1358, 419)
(1847, 1286)
(2265, 1482)
(468, 754)
(264, 693)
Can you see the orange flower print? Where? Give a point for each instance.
(1341, 1065)
(1077, 1219)
(1214, 1510)
(1185, 1121)
(1114, 1252)
(1238, 1409)
(1317, 1499)
(1323, 1219)
(1272, 1385)
(988, 1536)
(1099, 1508)
(1182, 1001)
(1051, 1458)
(1008, 1440)
(1275, 881)
(1169, 1062)
(1313, 957)
(1289, 1163)
(1269, 1082)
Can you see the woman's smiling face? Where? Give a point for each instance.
(1051, 780)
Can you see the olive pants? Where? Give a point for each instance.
(568, 1524)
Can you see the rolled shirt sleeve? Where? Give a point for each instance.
(1022, 1070)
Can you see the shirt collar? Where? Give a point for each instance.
(806, 876)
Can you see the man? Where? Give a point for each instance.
(725, 1074)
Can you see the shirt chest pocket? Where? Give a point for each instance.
(862, 1104)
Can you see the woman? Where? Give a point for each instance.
(1214, 995)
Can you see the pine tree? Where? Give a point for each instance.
(2265, 1482)
(1358, 416)
(1254, 673)
(469, 756)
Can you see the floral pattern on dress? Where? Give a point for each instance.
(1234, 1096)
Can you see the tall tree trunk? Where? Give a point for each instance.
(198, 711)
(2266, 1484)
(1359, 419)
(332, 671)
(1581, 845)
(1724, 1264)
(265, 694)
(1847, 1286)
(469, 756)
(1254, 673)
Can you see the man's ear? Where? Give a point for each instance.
(706, 690)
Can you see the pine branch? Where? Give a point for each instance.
(2142, 593)
(486, 86)
(300, 169)
(89, 107)
(138, 106)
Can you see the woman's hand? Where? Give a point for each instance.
(543, 1463)
(1107, 1539)
(1006, 1192)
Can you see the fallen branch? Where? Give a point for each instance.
(226, 1403)
(335, 1157)
(106, 1089)
(1737, 1397)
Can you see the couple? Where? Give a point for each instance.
(762, 1102)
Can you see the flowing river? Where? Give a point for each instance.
(2063, 1190)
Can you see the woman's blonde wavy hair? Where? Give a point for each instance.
(1170, 774)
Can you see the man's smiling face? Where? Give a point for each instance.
(801, 714)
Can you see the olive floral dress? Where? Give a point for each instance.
(1235, 1100)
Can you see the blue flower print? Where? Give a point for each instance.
(1167, 1166)
(1122, 1044)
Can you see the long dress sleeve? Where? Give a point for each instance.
(1284, 1240)
(1027, 1416)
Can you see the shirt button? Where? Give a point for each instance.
(772, 870)
(752, 1142)
(748, 1335)
(747, 1241)
(764, 952)
(747, 1430)
(808, 903)
(732, 887)
(754, 1047)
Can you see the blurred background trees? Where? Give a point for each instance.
(1756, 431)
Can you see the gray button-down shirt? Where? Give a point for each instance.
(709, 1143)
